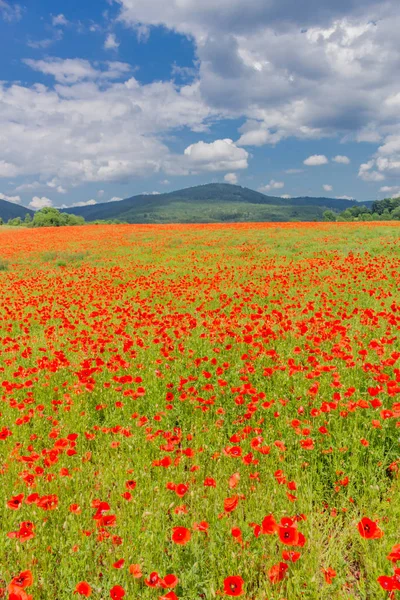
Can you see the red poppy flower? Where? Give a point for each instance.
(169, 581)
(181, 535)
(210, 482)
(15, 502)
(269, 525)
(117, 592)
(329, 574)
(233, 585)
(169, 596)
(181, 490)
(23, 580)
(83, 588)
(277, 572)
(291, 555)
(135, 571)
(231, 503)
(387, 583)
(369, 529)
(288, 535)
(153, 580)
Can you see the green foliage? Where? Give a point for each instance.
(51, 217)
(16, 222)
(381, 210)
(329, 215)
(3, 265)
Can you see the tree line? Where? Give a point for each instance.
(381, 210)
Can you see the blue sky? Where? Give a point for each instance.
(104, 99)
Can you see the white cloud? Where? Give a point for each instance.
(231, 178)
(100, 193)
(74, 70)
(7, 169)
(38, 203)
(258, 137)
(59, 20)
(165, 182)
(111, 42)
(272, 185)
(10, 11)
(327, 187)
(92, 129)
(344, 197)
(28, 187)
(286, 196)
(55, 184)
(393, 191)
(115, 199)
(45, 43)
(14, 199)
(316, 160)
(367, 173)
(87, 203)
(312, 73)
(221, 155)
(344, 160)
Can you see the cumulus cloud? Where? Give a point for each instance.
(276, 64)
(231, 178)
(316, 160)
(220, 155)
(344, 197)
(90, 128)
(344, 160)
(367, 173)
(38, 203)
(59, 20)
(327, 187)
(286, 196)
(14, 199)
(272, 185)
(111, 42)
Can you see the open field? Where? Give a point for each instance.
(218, 403)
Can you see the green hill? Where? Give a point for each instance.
(211, 203)
(9, 210)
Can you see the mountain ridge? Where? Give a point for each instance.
(208, 203)
(218, 202)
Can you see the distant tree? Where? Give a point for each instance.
(28, 219)
(16, 222)
(396, 214)
(329, 215)
(1, 221)
(51, 217)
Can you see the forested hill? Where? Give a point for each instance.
(10, 210)
(217, 202)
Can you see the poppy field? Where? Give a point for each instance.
(200, 411)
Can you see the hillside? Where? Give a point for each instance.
(211, 203)
(9, 210)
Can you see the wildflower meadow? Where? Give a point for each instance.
(200, 411)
